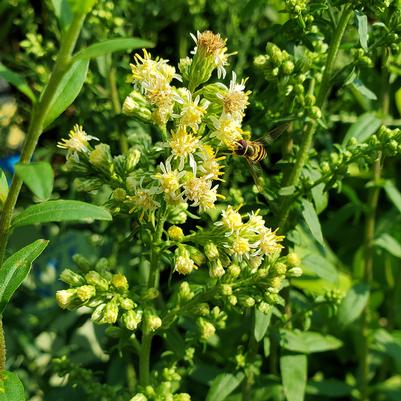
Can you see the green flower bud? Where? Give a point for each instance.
(94, 278)
(255, 262)
(264, 307)
(137, 106)
(120, 282)
(97, 314)
(299, 89)
(184, 292)
(196, 255)
(152, 322)
(233, 271)
(184, 67)
(110, 313)
(315, 112)
(139, 397)
(248, 302)
(310, 100)
(288, 67)
(100, 157)
(86, 292)
(131, 319)
(293, 259)
(202, 309)
(211, 251)
(260, 61)
(71, 278)
(150, 294)
(294, 272)
(233, 300)
(82, 263)
(216, 269)
(206, 328)
(67, 299)
(226, 289)
(127, 304)
(182, 397)
(103, 265)
(262, 273)
(132, 159)
(176, 233)
(119, 194)
(279, 269)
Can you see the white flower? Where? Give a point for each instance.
(227, 130)
(78, 142)
(183, 145)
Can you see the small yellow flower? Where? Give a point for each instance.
(270, 242)
(240, 246)
(199, 190)
(231, 219)
(210, 163)
(183, 145)
(175, 233)
(170, 181)
(227, 130)
(184, 265)
(78, 142)
(191, 113)
(144, 199)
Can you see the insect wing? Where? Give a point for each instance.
(274, 134)
(256, 173)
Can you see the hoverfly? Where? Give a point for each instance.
(255, 151)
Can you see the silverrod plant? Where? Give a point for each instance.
(237, 234)
(231, 265)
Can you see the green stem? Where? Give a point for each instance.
(146, 343)
(310, 130)
(2, 348)
(36, 125)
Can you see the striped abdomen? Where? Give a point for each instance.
(253, 151)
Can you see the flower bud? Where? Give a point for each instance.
(71, 278)
(275, 283)
(255, 262)
(288, 67)
(67, 299)
(206, 328)
(94, 278)
(132, 159)
(131, 319)
(294, 272)
(181, 397)
(248, 302)
(97, 314)
(86, 292)
(119, 194)
(183, 263)
(139, 397)
(202, 309)
(233, 300)
(100, 157)
(81, 262)
(110, 313)
(150, 294)
(279, 269)
(176, 233)
(233, 271)
(211, 251)
(226, 289)
(264, 307)
(184, 292)
(137, 106)
(196, 255)
(120, 282)
(127, 304)
(152, 322)
(293, 259)
(216, 269)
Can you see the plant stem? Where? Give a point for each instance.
(372, 203)
(36, 125)
(310, 130)
(146, 343)
(2, 348)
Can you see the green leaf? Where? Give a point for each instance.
(63, 12)
(287, 191)
(353, 304)
(329, 388)
(223, 385)
(366, 125)
(3, 187)
(294, 374)
(68, 90)
(311, 219)
(321, 266)
(363, 90)
(81, 7)
(390, 244)
(16, 268)
(60, 210)
(308, 342)
(397, 97)
(262, 321)
(38, 177)
(393, 194)
(16, 80)
(384, 341)
(11, 388)
(362, 21)
(110, 46)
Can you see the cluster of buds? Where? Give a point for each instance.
(107, 294)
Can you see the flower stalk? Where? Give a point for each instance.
(310, 130)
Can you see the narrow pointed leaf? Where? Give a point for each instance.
(68, 90)
(63, 12)
(11, 388)
(223, 385)
(312, 220)
(353, 304)
(110, 46)
(362, 21)
(38, 177)
(390, 244)
(366, 125)
(3, 187)
(60, 210)
(16, 268)
(262, 321)
(393, 194)
(16, 80)
(308, 341)
(294, 375)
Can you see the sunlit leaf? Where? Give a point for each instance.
(223, 385)
(11, 388)
(294, 375)
(353, 304)
(16, 80)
